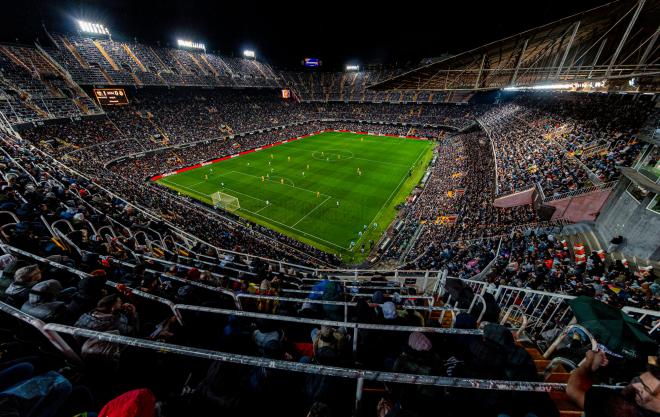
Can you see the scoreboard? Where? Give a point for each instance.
(111, 96)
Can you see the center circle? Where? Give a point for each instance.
(333, 155)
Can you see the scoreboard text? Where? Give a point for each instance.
(111, 96)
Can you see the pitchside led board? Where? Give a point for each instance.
(286, 93)
(111, 96)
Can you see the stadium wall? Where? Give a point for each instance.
(623, 215)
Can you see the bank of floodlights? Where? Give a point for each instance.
(352, 68)
(249, 54)
(190, 44)
(93, 28)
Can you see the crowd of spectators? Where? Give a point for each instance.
(564, 142)
(540, 261)
(109, 285)
(456, 202)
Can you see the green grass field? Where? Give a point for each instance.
(304, 180)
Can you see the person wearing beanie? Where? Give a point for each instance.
(24, 279)
(419, 343)
(417, 358)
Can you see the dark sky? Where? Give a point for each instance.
(283, 33)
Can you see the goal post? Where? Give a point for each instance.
(225, 201)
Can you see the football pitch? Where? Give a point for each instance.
(335, 191)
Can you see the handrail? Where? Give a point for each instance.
(332, 323)
(558, 360)
(81, 274)
(52, 337)
(522, 313)
(581, 191)
(565, 332)
(400, 378)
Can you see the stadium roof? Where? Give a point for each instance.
(615, 41)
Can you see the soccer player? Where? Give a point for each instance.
(271, 157)
(268, 163)
(318, 194)
(222, 184)
(282, 181)
(263, 179)
(206, 177)
(267, 203)
(360, 233)
(337, 203)
(303, 173)
(288, 158)
(364, 227)
(308, 167)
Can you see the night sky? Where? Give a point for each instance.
(283, 33)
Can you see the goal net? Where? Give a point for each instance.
(225, 201)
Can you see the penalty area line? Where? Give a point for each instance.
(311, 211)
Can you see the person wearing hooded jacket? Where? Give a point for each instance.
(24, 279)
(42, 302)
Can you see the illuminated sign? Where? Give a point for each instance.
(111, 96)
(286, 93)
(312, 62)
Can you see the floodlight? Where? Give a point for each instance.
(94, 28)
(249, 54)
(352, 68)
(191, 44)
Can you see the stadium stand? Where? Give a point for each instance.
(118, 291)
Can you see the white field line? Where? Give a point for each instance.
(292, 186)
(174, 184)
(311, 211)
(256, 213)
(177, 185)
(259, 211)
(297, 230)
(390, 197)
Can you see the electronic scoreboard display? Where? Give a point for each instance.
(111, 96)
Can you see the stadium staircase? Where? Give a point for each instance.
(74, 52)
(105, 54)
(166, 138)
(130, 53)
(196, 62)
(211, 67)
(105, 75)
(16, 60)
(581, 234)
(182, 68)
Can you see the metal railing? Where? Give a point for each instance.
(334, 371)
(581, 191)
